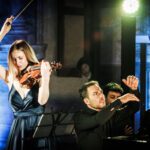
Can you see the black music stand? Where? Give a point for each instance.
(57, 128)
(64, 133)
(44, 129)
(44, 126)
(65, 125)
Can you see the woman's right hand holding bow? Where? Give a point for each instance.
(6, 27)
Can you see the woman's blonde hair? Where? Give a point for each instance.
(20, 45)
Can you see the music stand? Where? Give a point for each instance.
(64, 136)
(65, 125)
(44, 126)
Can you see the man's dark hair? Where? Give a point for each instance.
(83, 89)
(112, 86)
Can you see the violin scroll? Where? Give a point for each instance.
(55, 65)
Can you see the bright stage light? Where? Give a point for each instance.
(130, 6)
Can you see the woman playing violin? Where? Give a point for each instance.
(26, 102)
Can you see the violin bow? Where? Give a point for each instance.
(22, 10)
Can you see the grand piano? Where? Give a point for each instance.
(139, 141)
(126, 143)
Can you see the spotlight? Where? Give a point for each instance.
(130, 6)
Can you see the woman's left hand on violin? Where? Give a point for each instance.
(46, 69)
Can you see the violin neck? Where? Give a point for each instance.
(35, 67)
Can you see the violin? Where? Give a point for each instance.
(33, 73)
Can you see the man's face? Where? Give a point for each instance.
(112, 96)
(85, 69)
(95, 98)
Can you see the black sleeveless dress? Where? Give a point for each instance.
(27, 112)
